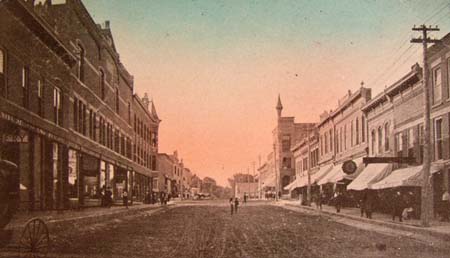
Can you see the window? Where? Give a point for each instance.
(102, 84)
(357, 131)
(386, 137)
(399, 144)
(341, 143)
(373, 140)
(437, 90)
(380, 139)
(81, 63)
(129, 113)
(286, 143)
(57, 107)
(363, 127)
(345, 137)
(117, 100)
(421, 140)
(40, 94)
(75, 114)
(326, 142)
(410, 136)
(351, 133)
(25, 86)
(2, 73)
(438, 138)
(331, 140)
(448, 77)
(286, 162)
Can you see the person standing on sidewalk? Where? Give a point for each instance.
(125, 198)
(445, 206)
(231, 205)
(397, 206)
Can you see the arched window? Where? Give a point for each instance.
(386, 137)
(81, 62)
(380, 139)
(102, 84)
(357, 131)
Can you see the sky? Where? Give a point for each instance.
(215, 68)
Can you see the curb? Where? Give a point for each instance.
(409, 228)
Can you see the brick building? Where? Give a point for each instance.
(285, 134)
(67, 107)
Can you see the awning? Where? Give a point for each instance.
(336, 174)
(371, 174)
(298, 182)
(323, 171)
(410, 176)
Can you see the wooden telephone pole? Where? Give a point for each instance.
(427, 190)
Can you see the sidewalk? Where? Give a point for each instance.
(57, 219)
(437, 229)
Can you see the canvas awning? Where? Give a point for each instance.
(336, 174)
(410, 176)
(298, 182)
(371, 174)
(323, 171)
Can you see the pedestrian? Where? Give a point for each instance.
(369, 203)
(236, 204)
(319, 200)
(231, 205)
(245, 198)
(338, 201)
(445, 206)
(397, 206)
(125, 198)
(108, 197)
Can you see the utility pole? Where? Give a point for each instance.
(308, 188)
(427, 190)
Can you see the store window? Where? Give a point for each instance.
(73, 176)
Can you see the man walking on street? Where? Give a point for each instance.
(231, 205)
(125, 198)
(236, 204)
(397, 206)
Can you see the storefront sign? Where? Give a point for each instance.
(349, 167)
(14, 138)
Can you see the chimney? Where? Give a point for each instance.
(349, 92)
(107, 24)
(146, 100)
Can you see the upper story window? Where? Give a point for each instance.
(380, 139)
(2, 72)
(40, 94)
(386, 137)
(373, 140)
(357, 131)
(438, 138)
(437, 89)
(57, 107)
(25, 85)
(117, 100)
(129, 113)
(286, 143)
(81, 63)
(102, 84)
(363, 129)
(331, 140)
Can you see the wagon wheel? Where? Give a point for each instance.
(35, 239)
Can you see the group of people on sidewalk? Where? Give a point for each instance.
(402, 205)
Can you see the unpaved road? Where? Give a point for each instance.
(209, 231)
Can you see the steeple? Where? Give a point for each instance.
(279, 106)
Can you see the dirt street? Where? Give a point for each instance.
(210, 231)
